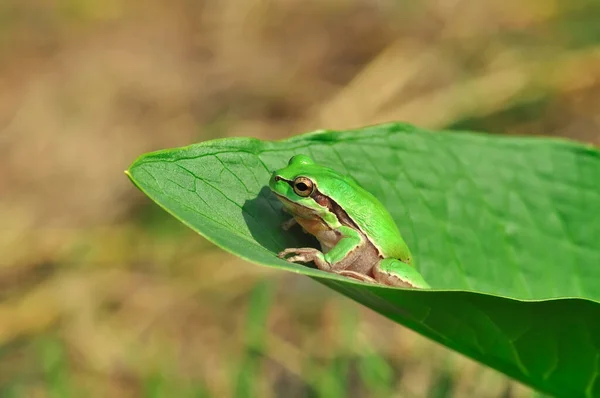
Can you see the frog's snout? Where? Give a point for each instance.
(274, 179)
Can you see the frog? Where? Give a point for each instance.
(359, 239)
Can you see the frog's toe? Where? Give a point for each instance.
(285, 252)
(299, 259)
(298, 251)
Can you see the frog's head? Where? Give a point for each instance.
(296, 186)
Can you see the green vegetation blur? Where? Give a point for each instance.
(102, 294)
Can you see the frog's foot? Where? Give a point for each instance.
(356, 275)
(306, 255)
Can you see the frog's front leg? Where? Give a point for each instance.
(286, 225)
(393, 272)
(333, 260)
(306, 255)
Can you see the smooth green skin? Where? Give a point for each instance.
(371, 217)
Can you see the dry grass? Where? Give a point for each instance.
(102, 293)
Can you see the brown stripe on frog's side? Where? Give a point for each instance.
(334, 208)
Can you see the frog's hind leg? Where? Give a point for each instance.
(393, 272)
(356, 275)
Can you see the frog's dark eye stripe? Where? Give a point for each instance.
(303, 186)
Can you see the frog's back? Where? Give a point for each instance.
(370, 216)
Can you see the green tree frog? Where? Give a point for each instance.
(358, 237)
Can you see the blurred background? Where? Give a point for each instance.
(102, 294)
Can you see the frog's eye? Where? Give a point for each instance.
(303, 186)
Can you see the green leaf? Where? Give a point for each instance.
(507, 231)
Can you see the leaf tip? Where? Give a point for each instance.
(130, 176)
